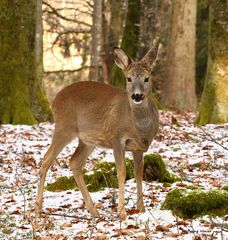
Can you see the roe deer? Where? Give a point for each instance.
(100, 115)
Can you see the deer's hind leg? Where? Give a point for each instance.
(77, 163)
(59, 140)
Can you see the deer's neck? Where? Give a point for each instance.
(145, 120)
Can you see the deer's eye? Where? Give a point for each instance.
(129, 79)
(146, 80)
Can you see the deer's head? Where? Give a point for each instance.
(137, 73)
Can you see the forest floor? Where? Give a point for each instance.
(198, 154)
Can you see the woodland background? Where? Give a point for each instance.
(46, 45)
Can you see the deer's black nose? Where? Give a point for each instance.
(137, 97)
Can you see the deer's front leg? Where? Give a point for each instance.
(138, 166)
(118, 151)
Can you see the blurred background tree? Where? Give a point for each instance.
(130, 39)
(179, 88)
(214, 103)
(22, 99)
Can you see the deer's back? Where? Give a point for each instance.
(86, 96)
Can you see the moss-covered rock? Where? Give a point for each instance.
(104, 175)
(155, 170)
(62, 184)
(191, 204)
(101, 176)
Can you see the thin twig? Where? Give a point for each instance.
(66, 216)
(211, 138)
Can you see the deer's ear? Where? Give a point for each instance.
(151, 57)
(121, 58)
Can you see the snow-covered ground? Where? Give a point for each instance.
(198, 154)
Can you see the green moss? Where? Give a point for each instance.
(166, 184)
(104, 175)
(62, 184)
(207, 102)
(191, 204)
(225, 188)
(155, 170)
(101, 176)
(191, 187)
(176, 149)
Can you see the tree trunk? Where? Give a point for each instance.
(95, 70)
(113, 23)
(214, 103)
(130, 41)
(202, 27)
(155, 23)
(148, 23)
(22, 100)
(39, 41)
(179, 89)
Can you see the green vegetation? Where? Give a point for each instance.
(194, 203)
(155, 170)
(62, 184)
(104, 175)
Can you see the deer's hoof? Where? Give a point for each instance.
(123, 215)
(95, 213)
(141, 207)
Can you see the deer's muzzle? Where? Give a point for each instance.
(137, 98)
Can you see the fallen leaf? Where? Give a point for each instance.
(133, 211)
(131, 226)
(101, 237)
(172, 235)
(99, 205)
(66, 225)
(182, 222)
(181, 184)
(162, 228)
